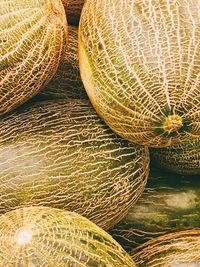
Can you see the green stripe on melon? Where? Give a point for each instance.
(169, 203)
(139, 63)
(41, 236)
(33, 40)
(61, 154)
(181, 249)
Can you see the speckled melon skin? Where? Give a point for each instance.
(183, 159)
(67, 82)
(139, 63)
(169, 203)
(47, 237)
(181, 249)
(34, 37)
(73, 10)
(61, 154)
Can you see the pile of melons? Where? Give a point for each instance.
(99, 133)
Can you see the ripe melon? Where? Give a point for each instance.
(33, 39)
(183, 159)
(169, 203)
(140, 63)
(41, 236)
(73, 10)
(60, 154)
(67, 82)
(181, 249)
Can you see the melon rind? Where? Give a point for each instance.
(34, 37)
(61, 154)
(139, 62)
(41, 236)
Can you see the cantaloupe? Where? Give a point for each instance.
(181, 249)
(183, 159)
(140, 63)
(33, 39)
(47, 237)
(67, 82)
(73, 10)
(169, 203)
(61, 154)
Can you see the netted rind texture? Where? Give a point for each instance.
(139, 63)
(183, 159)
(73, 10)
(61, 154)
(176, 249)
(47, 237)
(33, 39)
(67, 82)
(169, 203)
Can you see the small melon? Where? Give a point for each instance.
(47, 237)
(139, 63)
(33, 39)
(73, 10)
(61, 154)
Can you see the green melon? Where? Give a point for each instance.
(73, 10)
(67, 81)
(60, 154)
(183, 159)
(139, 63)
(170, 203)
(181, 249)
(33, 40)
(40, 236)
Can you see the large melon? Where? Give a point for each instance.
(170, 203)
(60, 154)
(181, 249)
(140, 63)
(67, 82)
(47, 237)
(33, 39)
(73, 10)
(183, 159)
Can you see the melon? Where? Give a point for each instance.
(183, 159)
(169, 203)
(61, 154)
(67, 82)
(73, 10)
(33, 39)
(181, 249)
(41, 236)
(139, 63)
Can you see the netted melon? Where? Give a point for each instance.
(33, 39)
(67, 82)
(140, 63)
(181, 249)
(60, 154)
(169, 203)
(183, 159)
(73, 10)
(47, 237)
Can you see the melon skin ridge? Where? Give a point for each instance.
(67, 82)
(169, 203)
(176, 249)
(41, 237)
(34, 35)
(139, 63)
(61, 154)
(182, 159)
